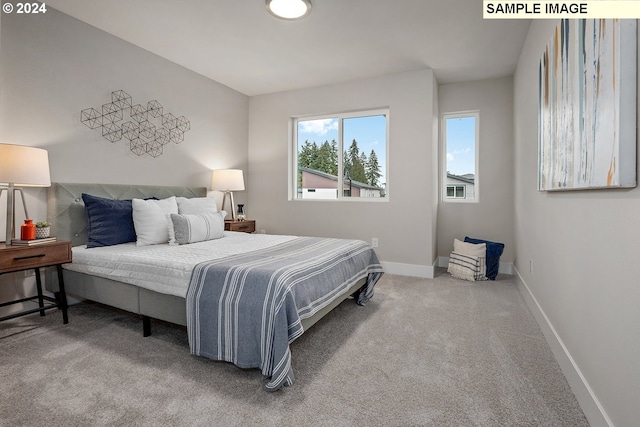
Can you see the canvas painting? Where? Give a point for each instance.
(587, 106)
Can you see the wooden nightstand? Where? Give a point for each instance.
(19, 258)
(247, 226)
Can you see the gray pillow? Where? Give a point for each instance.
(192, 228)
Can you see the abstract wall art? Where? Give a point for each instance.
(587, 106)
(146, 126)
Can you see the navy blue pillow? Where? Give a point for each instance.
(109, 221)
(494, 251)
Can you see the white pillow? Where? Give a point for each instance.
(465, 267)
(196, 205)
(150, 220)
(473, 249)
(197, 228)
(478, 250)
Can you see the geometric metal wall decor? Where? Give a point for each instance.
(147, 127)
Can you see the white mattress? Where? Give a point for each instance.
(164, 268)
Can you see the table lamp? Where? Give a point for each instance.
(228, 181)
(21, 166)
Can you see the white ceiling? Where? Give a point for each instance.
(239, 44)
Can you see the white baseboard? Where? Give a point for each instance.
(413, 270)
(427, 271)
(505, 267)
(588, 401)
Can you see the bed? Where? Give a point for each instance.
(220, 291)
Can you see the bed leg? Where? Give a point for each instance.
(146, 326)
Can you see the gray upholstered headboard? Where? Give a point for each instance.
(65, 208)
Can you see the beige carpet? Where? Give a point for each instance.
(439, 352)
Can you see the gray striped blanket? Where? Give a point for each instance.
(246, 309)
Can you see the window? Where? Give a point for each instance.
(460, 136)
(456, 191)
(341, 156)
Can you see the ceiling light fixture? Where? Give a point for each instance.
(289, 9)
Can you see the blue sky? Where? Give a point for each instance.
(461, 134)
(370, 133)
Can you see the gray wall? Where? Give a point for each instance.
(405, 223)
(584, 285)
(52, 66)
(492, 217)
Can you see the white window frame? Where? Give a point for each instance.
(293, 154)
(476, 179)
(464, 191)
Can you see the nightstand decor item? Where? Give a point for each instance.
(21, 166)
(28, 230)
(147, 127)
(228, 181)
(241, 215)
(43, 230)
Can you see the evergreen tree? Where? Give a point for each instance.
(346, 163)
(356, 168)
(365, 162)
(334, 158)
(354, 152)
(324, 158)
(307, 154)
(306, 158)
(373, 169)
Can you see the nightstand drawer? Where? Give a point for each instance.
(248, 226)
(15, 258)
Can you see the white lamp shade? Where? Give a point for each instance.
(24, 166)
(227, 180)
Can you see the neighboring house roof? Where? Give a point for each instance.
(354, 183)
(468, 178)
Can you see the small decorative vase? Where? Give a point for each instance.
(43, 232)
(28, 230)
(240, 213)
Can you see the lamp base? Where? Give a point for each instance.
(11, 210)
(224, 199)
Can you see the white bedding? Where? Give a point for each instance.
(164, 268)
